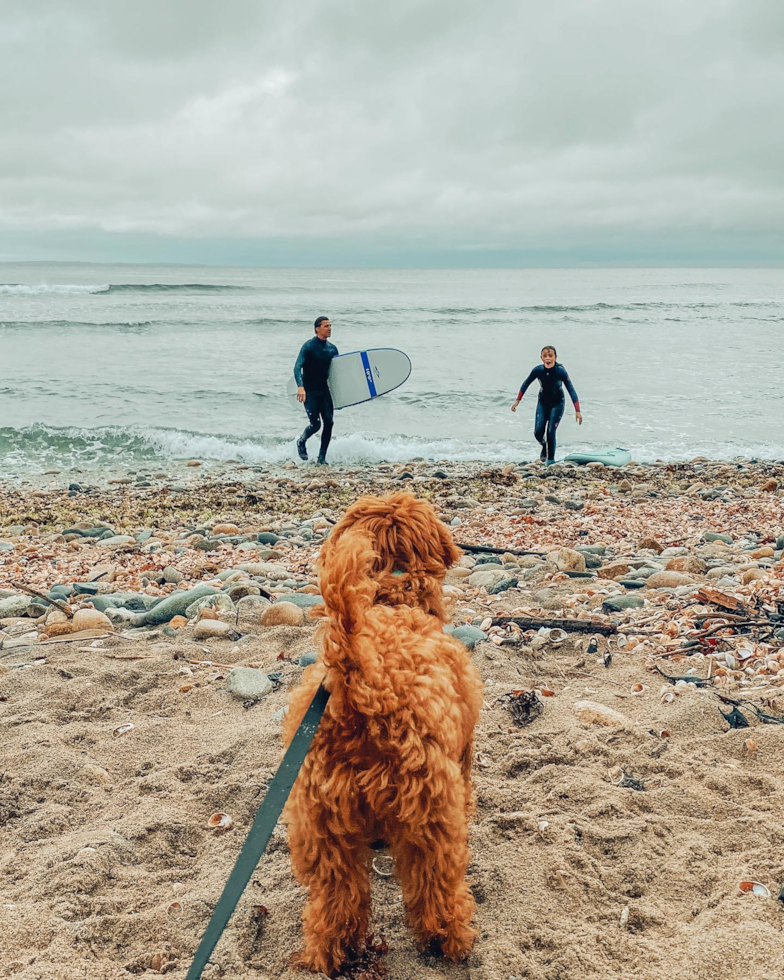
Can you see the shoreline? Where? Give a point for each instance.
(611, 831)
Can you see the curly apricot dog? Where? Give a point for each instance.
(392, 756)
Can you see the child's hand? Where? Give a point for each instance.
(579, 417)
(514, 406)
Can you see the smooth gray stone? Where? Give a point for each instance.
(110, 540)
(6, 546)
(120, 600)
(592, 561)
(176, 604)
(715, 536)
(85, 588)
(221, 603)
(302, 599)
(574, 504)
(247, 682)
(618, 603)
(502, 586)
(780, 542)
(591, 549)
(632, 583)
(144, 535)
(15, 605)
(61, 591)
(307, 659)
(469, 636)
(172, 575)
(267, 537)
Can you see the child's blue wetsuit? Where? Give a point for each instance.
(550, 406)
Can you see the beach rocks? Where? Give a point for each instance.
(620, 603)
(303, 599)
(229, 529)
(15, 606)
(172, 575)
(502, 586)
(469, 636)
(752, 575)
(687, 563)
(710, 536)
(566, 560)
(117, 541)
(486, 578)
(283, 614)
(220, 603)
(90, 619)
(247, 683)
(614, 570)
(671, 580)
(176, 604)
(307, 659)
(250, 609)
(207, 629)
(650, 544)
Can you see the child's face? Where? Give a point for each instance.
(548, 357)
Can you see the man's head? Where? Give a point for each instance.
(323, 327)
(548, 356)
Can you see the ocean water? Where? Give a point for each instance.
(112, 367)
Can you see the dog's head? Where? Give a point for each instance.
(412, 549)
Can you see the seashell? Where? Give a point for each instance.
(623, 922)
(545, 692)
(750, 745)
(486, 624)
(482, 760)
(615, 775)
(174, 908)
(682, 687)
(185, 688)
(122, 729)
(638, 689)
(730, 661)
(543, 825)
(755, 888)
(668, 698)
(178, 888)
(220, 821)
(383, 865)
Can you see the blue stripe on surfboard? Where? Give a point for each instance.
(368, 374)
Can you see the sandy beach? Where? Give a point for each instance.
(618, 810)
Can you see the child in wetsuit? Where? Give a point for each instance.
(550, 407)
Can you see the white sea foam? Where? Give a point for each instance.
(15, 289)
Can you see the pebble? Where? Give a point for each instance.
(14, 605)
(207, 629)
(619, 603)
(247, 682)
(90, 619)
(566, 559)
(469, 636)
(486, 578)
(283, 614)
(307, 659)
(671, 580)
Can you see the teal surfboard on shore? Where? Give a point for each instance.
(610, 457)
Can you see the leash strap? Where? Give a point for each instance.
(260, 831)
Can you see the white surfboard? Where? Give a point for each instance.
(362, 375)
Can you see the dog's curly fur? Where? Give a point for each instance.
(392, 756)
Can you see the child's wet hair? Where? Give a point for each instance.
(548, 347)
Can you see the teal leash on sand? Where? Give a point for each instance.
(260, 831)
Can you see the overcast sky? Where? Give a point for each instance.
(455, 132)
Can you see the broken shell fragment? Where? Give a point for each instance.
(668, 697)
(383, 864)
(755, 888)
(615, 775)
(122, 730)
(638, 689)
(220, 821)
(174, 908)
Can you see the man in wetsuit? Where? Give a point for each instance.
(550, 408)
(311, 372)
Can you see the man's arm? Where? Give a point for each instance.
(300, 363)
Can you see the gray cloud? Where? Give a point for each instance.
(421, 125)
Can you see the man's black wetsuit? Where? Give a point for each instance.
(550, 407)
(311, 372)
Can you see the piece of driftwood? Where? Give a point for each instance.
(40, 595)
(567, 625)
(482, 548)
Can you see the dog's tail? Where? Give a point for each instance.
(347, 588)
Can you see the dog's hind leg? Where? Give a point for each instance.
(335, 919)
(431, 869)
